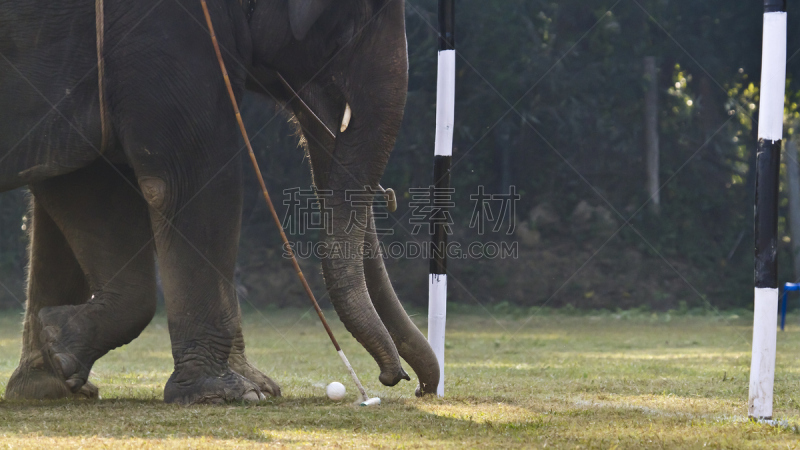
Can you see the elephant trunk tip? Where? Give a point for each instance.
(426, 389)
(391, 379)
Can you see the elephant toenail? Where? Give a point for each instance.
(74, 384)
(252, 396)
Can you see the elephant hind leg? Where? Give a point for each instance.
(104, 219)
(54, 279)
(39, 381)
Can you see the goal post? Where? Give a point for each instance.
(443, 151)
(768, 156)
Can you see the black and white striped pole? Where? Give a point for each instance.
(445, 111)
(770, 133)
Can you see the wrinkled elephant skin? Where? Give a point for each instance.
(170, 182)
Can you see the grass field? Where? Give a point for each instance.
(604, 381)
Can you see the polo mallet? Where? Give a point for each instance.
(365, 401)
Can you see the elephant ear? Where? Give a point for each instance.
(303, 14)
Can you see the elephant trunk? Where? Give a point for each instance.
(410, 343)
(373, 84)
(344, 277)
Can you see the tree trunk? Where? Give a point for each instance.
(793, 173)
(502, 139)
(651, 133)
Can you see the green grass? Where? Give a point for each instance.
(629, 381)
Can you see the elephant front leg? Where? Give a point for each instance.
(195, 215)
(239, 363)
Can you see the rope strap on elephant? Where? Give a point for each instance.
(105, 121)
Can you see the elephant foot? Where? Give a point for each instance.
(34, 380)
(185, 389)
(63, 338)
(240, 365)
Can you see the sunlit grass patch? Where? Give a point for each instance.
(554, 381)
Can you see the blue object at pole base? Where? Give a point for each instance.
(786, 288)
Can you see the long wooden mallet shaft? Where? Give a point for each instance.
(272, 211)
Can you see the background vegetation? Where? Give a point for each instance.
(550, 99)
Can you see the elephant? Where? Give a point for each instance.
(161, 181)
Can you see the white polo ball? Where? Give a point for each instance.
(335, 391)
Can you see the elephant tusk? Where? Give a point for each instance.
(391, 198)
(346, 119)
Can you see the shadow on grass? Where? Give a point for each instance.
(286, 420)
